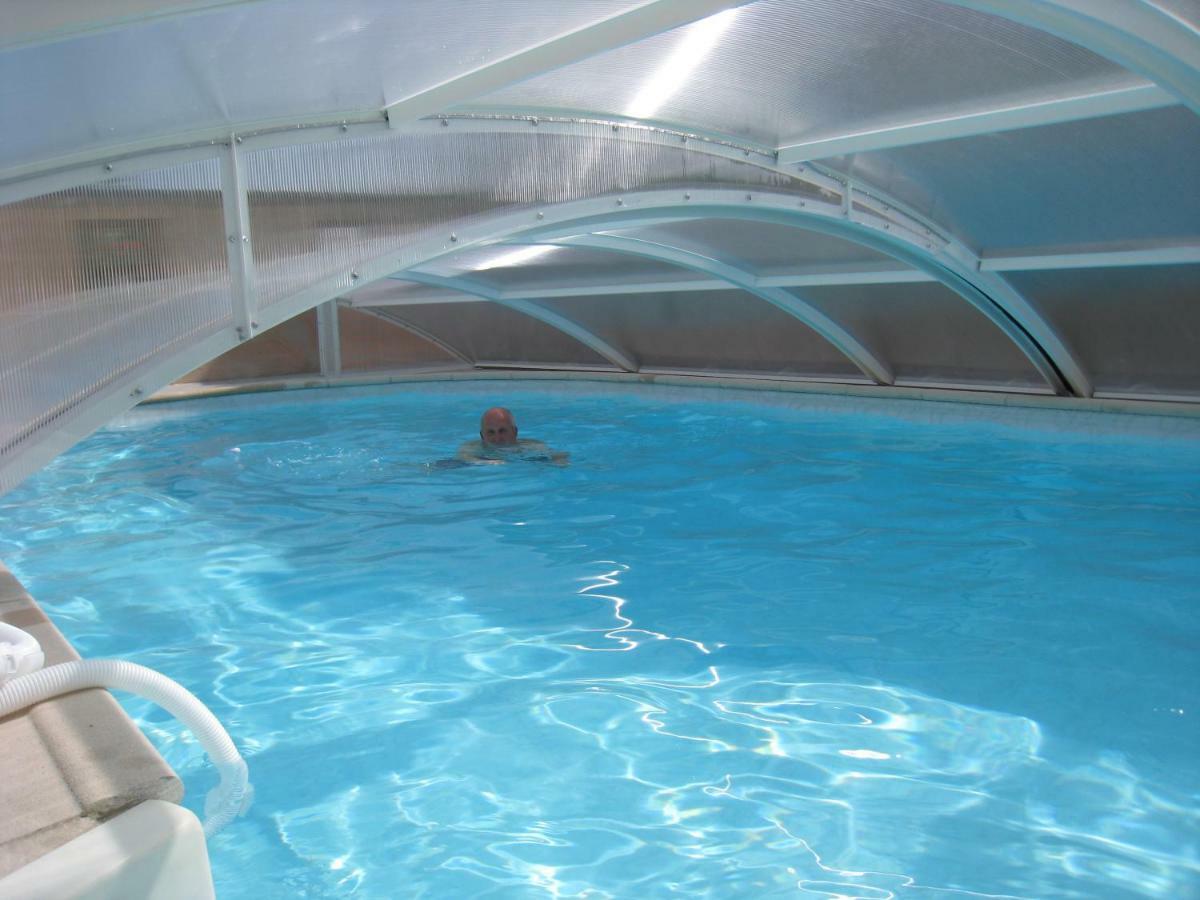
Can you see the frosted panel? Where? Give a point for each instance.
(317, 210)
(761, 247)
(487, 333)
(927, 333)
(95, 280)
(1121, 178)
(1137, 330)
(249, 62)
(782, 72)
(371, 344)
(713, 331)
(290, 348)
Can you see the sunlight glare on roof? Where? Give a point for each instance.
(515, 257)
(675, 70)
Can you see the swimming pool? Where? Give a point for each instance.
(743, 646)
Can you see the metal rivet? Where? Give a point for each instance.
(237, 139)
(533, 122)
(445, 123)
(345, 127)
(233, 239)
(541, 215)
(353, 276)
(803, 203)
(748, 197)
(745, 153)
(453, 237)
(687, 196)
(253, 324)
(245, 238)
(136, 392)
(616, 128)
(108, 167)
(620, 202)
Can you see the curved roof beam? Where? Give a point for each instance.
(1070, 108)
(400, 322)
(1019, 321)
(557, 321)
(854, 348)
(1142, 36)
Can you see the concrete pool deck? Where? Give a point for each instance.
(70, 763)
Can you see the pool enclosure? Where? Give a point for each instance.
(998, 195)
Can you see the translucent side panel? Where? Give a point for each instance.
(1137, 329)
(318, 209)
(778, 72)
(487, 333)
(1121, 178)
(761, 247)
(370, 344)
(509, 267)
(727, 331)
(290, 348)
(248, 62)
(927, 334)
(96, 280)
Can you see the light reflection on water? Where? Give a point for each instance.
(746, 653)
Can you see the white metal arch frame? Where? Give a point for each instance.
(565, 324)
(866, 215)
(867, 360)
(1036, 339)
(1059, 367)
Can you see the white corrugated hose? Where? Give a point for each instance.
(23, 683)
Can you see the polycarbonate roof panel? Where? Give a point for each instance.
(759, 246)
(777, 72)
(254, 61)
(927, 333)
(510, 267)
(714, 331)
(1133, 177)
(487, 333)
(318, 210)
(1136, 329)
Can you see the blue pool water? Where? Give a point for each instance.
(733, 650)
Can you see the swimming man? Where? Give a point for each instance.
(498, 443)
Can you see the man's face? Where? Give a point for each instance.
(498, 430)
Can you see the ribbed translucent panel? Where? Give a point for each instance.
(98, 279)
(370, 343)
(290, 348)
(490, 334)
(927, 333)
(1133, 177)
(762, 247)
(710, 331)
(1137, 330)
(780, 71)
(247, 62)
(319, 209)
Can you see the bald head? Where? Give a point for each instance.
(498, 428)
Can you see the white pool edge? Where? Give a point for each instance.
(155, 851)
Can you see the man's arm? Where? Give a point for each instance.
(471, 453)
